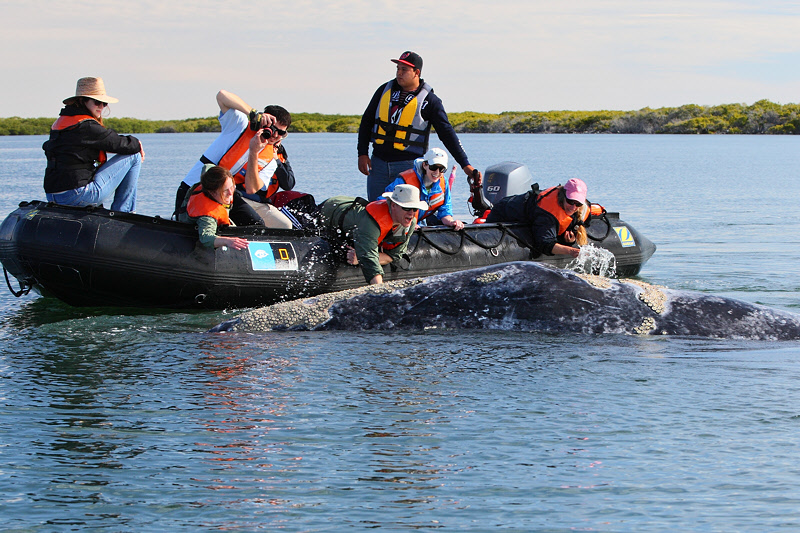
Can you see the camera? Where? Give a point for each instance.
(267, 132)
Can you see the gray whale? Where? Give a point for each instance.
(525, 296)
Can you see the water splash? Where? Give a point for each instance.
(595, 261)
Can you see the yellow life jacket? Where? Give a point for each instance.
(405, 128)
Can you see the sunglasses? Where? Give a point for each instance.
(436, 168)
(98, 103)
(407, 209)
(574, 203)
(271, 131)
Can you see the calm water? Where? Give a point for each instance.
(122, 421)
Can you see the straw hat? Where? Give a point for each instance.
(91, 88)
(407, 196)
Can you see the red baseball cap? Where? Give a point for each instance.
(411, 59)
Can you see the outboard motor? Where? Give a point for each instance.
(506, 179)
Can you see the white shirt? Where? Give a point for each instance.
(233, 122)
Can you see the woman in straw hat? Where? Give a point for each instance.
(78, 170)
(376, 233)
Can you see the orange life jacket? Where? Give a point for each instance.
(265, 156)
(548, 200)
(200, 205)
(379, 211)
(272, 186)
(434, 201)
(235, 157)
(64, 122)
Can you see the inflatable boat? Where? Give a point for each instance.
(96, 257)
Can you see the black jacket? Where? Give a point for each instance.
(72, 153)
(432, 111)
(524, 208)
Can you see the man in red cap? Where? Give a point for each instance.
(398, 123)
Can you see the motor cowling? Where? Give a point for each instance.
(506, 179)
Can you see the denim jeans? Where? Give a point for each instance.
(382, 174)
(118, 176)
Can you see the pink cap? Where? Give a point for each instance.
(576, 190)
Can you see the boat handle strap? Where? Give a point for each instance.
(24, 286)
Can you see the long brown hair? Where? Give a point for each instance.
(580, 232)
(80, 103)
(214, 178)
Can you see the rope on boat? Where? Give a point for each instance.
(465, 235)
(24, 286)
(435, 246)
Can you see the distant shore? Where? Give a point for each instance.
(763, 117)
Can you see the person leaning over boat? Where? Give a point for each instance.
(378, 231)
(556, 217)
(208, 204)
(427, 175)
(398, 122)
(247, 147)
(79, 172)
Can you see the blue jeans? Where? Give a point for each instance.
(118, 176)
(382, 174)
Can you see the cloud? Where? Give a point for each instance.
(168, 59)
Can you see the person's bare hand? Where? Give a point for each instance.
(352, 259)
(364, 164)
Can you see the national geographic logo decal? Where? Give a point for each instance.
(272, 256)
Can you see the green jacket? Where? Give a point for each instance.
(349, 215)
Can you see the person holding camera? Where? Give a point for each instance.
(246, 146)
(267, 168)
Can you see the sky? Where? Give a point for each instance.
(167, 59)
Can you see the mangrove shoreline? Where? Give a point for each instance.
(762, 117)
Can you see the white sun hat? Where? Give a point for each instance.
(407, 196)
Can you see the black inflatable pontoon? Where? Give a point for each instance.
(96, 257)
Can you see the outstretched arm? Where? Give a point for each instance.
(227, 100)
(563, 249)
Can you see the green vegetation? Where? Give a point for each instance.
(316, 122)
(761, 117)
